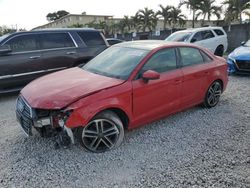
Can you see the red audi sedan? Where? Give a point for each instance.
(126, 86)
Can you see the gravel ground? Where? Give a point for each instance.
(196, 148)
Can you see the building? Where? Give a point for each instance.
(83, 19)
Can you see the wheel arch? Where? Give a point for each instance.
(221, 82)
(119, 112)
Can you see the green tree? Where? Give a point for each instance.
(148, 19)
(207, 9)
(56, 15)
(77, 25)
(193, 5)
(5, 30)
(136, 22)
(176, 17)
(126, 22)
(235, 9)
(165, 14)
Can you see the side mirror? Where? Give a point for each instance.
(242, 43)
(150, 75)
(5, 49)
(193, 40)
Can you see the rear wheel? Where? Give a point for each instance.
(213, 94)
(104, 132)
(219, 51)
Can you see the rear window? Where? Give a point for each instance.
(91, 38)
(218, 32)
(56, 40)
(190, 56)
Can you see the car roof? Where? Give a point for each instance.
(113, 39)
(151, 44)
(198, 29)
(56, 30)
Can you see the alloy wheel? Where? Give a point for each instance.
(100, 135)
(214, 93)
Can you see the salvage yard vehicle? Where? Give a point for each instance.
(239, 60)
(212, 38)
(126, 86)
(25, 56)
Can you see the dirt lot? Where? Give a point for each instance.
(196, 148)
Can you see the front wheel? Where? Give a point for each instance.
(103, 133)
(213, 94)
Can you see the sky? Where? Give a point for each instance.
(28, 14)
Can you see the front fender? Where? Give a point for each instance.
(85, 109)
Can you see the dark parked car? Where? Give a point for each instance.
(113, 41)
(25, 56)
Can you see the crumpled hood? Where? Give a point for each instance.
(59, 89)
(241, 53)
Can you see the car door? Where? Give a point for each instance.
(59, 51)
(157, 98)
(205, 39)
(17, 67)
(195, 76)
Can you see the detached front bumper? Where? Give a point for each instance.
(29, 120)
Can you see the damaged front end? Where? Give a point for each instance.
(47, 122)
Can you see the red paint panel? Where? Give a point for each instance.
(57, 90)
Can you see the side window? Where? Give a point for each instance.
(190, 56)
(207, 34)
(206, 58)
(162, 61)
(218, 32)
(91, 38)
(23, 43)
(197, 37)
(56, 40)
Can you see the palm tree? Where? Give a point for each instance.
(165, 14)
(148, 19)
(235, 8)
(193, 5)
(136, 22)
(125, 24)
(176, 17)
(207, 9)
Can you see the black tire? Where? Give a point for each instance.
(213, 94)
(219, 51)
(103, 133)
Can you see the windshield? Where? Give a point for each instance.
(3, 37)
(247, 43)
(179, 37)
(116, 62)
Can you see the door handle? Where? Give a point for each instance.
(35, 57)
(70, 53)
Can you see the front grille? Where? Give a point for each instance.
(243, 65)
(24, 115)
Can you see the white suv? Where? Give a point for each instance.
(212, 38)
